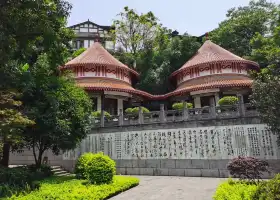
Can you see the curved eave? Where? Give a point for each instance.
(71, 66)
(135, 92)
(253, 65)
(211, 85)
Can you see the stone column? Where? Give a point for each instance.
(120, 117)
(140, 115)
(185, 111)
(197, 102)
(212, 107)
(99, 103)
(162, 114)
(102, 120)
(241, 105)
(120, 105)
(217, 98)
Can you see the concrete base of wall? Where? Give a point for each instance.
(189, 168)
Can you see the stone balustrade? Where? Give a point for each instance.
(163, 116)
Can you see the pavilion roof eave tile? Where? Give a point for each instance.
(256, 65)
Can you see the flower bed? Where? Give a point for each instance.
(70, 188)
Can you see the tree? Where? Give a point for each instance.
(60, 109)
(133, 31)
(78, 52)
(12, 122)
(28, 28)
(241, 25)
(266, 87)
(156, 64)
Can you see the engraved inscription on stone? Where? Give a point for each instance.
(221, 142)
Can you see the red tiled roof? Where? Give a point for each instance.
(122, 87)
(119, 87)
(209, 52)
(214, 84)
(97, 55)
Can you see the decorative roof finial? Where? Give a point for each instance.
(97, 38)
(206, 36)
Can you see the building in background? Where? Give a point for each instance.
(87, 32)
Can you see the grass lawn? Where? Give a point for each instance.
(69, 188)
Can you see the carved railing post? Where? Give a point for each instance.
(241, 106)
(212, 108)
(121, 117)
(185, 111)
(140, 115)
(102, 118)
(162, 114)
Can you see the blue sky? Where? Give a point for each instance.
(193, 16)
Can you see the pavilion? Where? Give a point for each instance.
(210, 74)
(107, 80)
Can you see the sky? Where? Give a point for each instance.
(195, 17)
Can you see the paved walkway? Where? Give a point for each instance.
(171, 188)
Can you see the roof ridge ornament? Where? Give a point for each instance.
(207, 36)
(97, 38)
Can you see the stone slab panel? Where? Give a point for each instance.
(153, 163)
(176, 172)
(146, 171)
(160, 172)
(132, 171)
(121, 171)
(141, 163)
(223, 173)
(193, 172)
(183, 164)
(218, 164)
(210, 173)
(167, 163)
(200, 164)
(125, 163)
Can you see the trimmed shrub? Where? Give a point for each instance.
(180, 106)
(81, 165)
(268, 189)
(97, 114)
(249, 168)
(135, 110)
(128, 110)
(235, 190)
(228, 100)
(100, 169)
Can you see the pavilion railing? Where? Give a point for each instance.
(163, 116)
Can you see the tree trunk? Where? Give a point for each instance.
(6, 154)
(38, 159)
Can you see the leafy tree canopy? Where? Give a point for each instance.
(60, 109)
(241, 25)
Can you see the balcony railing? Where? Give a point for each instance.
(164, 116)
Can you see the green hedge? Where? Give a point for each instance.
(228, 100)
(62, 188)
(135, 110)
(180, 106)
(235, 190)
(248, 190)
(97, 114)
